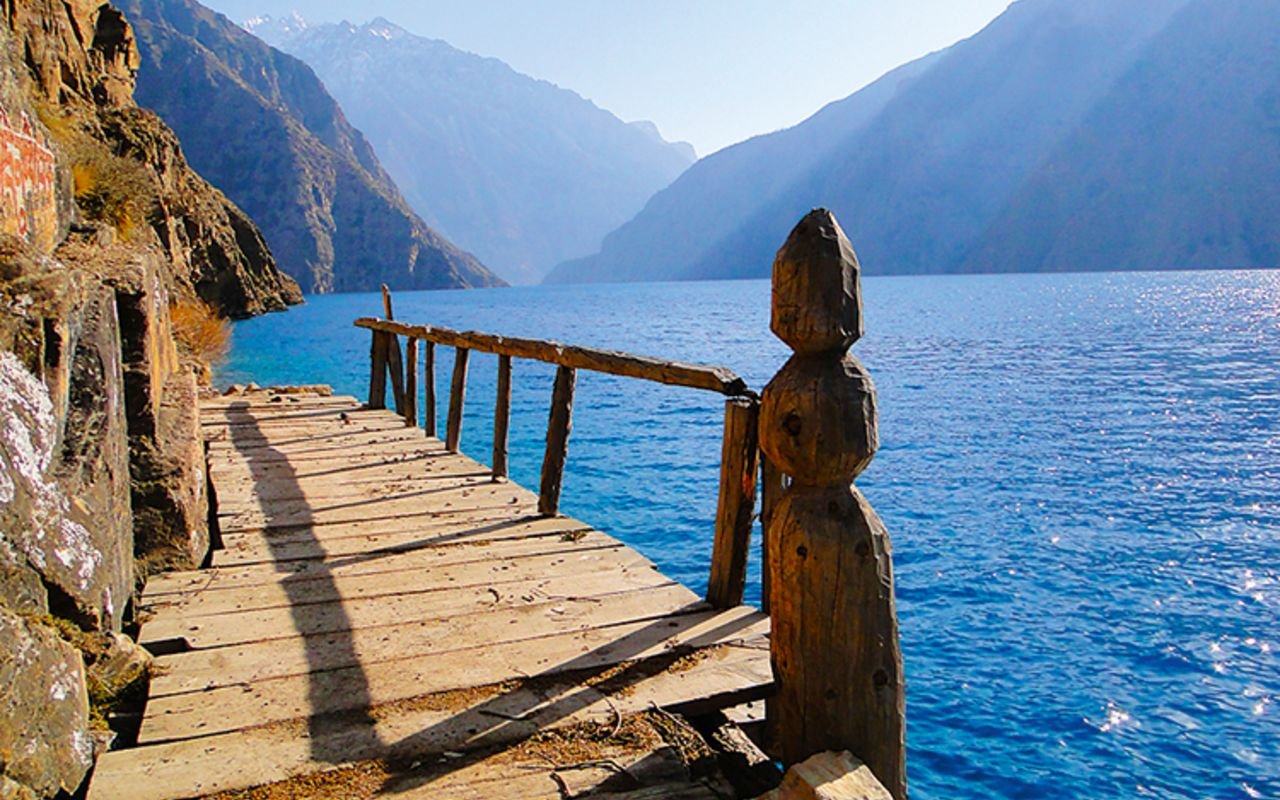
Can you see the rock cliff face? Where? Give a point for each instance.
(262, 126)
(79, 60)
(102, 225)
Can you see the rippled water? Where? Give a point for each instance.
(1081, 474)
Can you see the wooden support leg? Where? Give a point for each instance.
(502, 419)
(395, 365)
(378, 372)
(429, 378)
(738, 467)
(457, 396)
(558, 428)
(411, 382)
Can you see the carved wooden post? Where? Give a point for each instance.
(502, 418)
(558, 427)
(411, 382)
(378, 371)
(394, 362)
(772, 485)
(429, 378)
(457, 397)
(738, 456)
(834, 627)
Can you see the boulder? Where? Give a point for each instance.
(46, 745)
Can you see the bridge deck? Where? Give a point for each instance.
(384, 619)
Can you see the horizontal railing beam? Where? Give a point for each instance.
(672, 373)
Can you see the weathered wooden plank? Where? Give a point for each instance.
(281, 493)
(447, 499)
(637, 759)
(495, 649)
(736, 509)
(269, 397)
(335, 684)
(238, 485)
(278, 623)
(375, 543)
(400, 574)
(195, 767)
(457, 399)
(502, 418)
(674, 373)
(235, 427)
(325, 439)
(557, 452)
(423, 454)
(411, 382)
(176, 586)
(392, 441)
(291, 416)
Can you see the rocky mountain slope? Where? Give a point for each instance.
(127, 167)
(1178, 165)
(1069, 134)
(261, 125)
(104, 230)
(521, 172)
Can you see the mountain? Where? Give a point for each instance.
(1065, 126)
(260, 125)
(521, 172)
(1176, 167)
(707, 202)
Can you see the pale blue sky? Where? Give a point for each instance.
(711, 72)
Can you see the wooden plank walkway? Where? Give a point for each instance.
(384, 619)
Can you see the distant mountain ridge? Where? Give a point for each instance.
(521, 172)
(262, 127)
(1067, 135)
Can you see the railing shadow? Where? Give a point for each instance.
(358, 723)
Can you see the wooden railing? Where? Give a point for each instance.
(739, 452)
(827, 567)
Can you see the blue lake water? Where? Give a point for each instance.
(1081, 475)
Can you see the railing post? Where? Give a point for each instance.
(394, 362)
(457, 397)
(411, 382)
(502, 418)
(558, 427)
(834, 639)
(429, 378)
(378, 371)
(738, 458)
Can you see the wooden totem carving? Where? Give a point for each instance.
(835, 634)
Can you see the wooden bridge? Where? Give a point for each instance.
(387, 617)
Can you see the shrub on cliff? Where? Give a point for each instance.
(201, 333)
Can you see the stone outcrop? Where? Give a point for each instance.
(65, 523)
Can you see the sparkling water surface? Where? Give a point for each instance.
(1080, 473)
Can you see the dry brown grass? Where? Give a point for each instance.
(200, 332)
(108, 187)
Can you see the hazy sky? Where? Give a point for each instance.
(710, 72)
